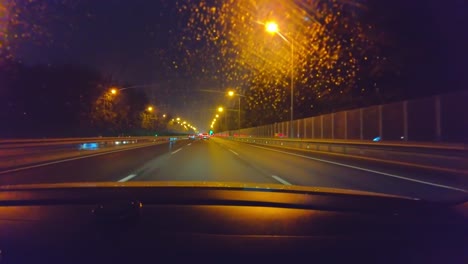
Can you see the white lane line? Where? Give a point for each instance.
(174, 152)
(189, 144)
(129, 177)
(233, 152)
(71, 159)
(280, 180)
(367, 170)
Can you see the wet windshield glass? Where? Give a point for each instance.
(361, 95)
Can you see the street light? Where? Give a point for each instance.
(231, 93)
(220, 109)
(273, 28)
(115, 90)
(164, 115)
(150, 108)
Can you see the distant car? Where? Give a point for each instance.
(192, 137)
(205, 136)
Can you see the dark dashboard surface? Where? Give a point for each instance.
(131, 224)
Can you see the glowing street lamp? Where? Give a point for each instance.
(114, 91)
(271, 27)
(164, 115)
(220, 109)
(217, 115)
(178, 118)
(150, 109)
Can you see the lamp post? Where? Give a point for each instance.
(115, 90)
(273, 28)
(232, 94)
(220, 110)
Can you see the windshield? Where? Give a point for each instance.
(361, 95)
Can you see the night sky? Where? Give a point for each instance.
(131, 40)
(125, 38)
(141, 42)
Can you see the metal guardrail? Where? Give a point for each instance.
(422, 132)
(59, 141)
(19, 152)
(438, 119)
(404, 144)
(445, 157)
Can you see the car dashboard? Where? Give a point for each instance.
(148, 224)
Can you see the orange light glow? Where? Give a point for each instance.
(271, 27)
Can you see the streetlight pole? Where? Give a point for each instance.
(239, 116)
(135, 86)
(272, 27)
(292, 89)
(231, 94)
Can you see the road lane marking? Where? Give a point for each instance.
(72, 159)
(189, 144)
(280, 180)
(367, 170)
(392, 162)
(174, 152)
(129, 177)
(233, 152)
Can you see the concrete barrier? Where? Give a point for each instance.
(17, 153)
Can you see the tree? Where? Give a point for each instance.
(46, 101)
(123, 113)
(67, 101)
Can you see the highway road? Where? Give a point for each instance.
(223, 160)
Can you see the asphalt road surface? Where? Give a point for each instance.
(222, 160)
